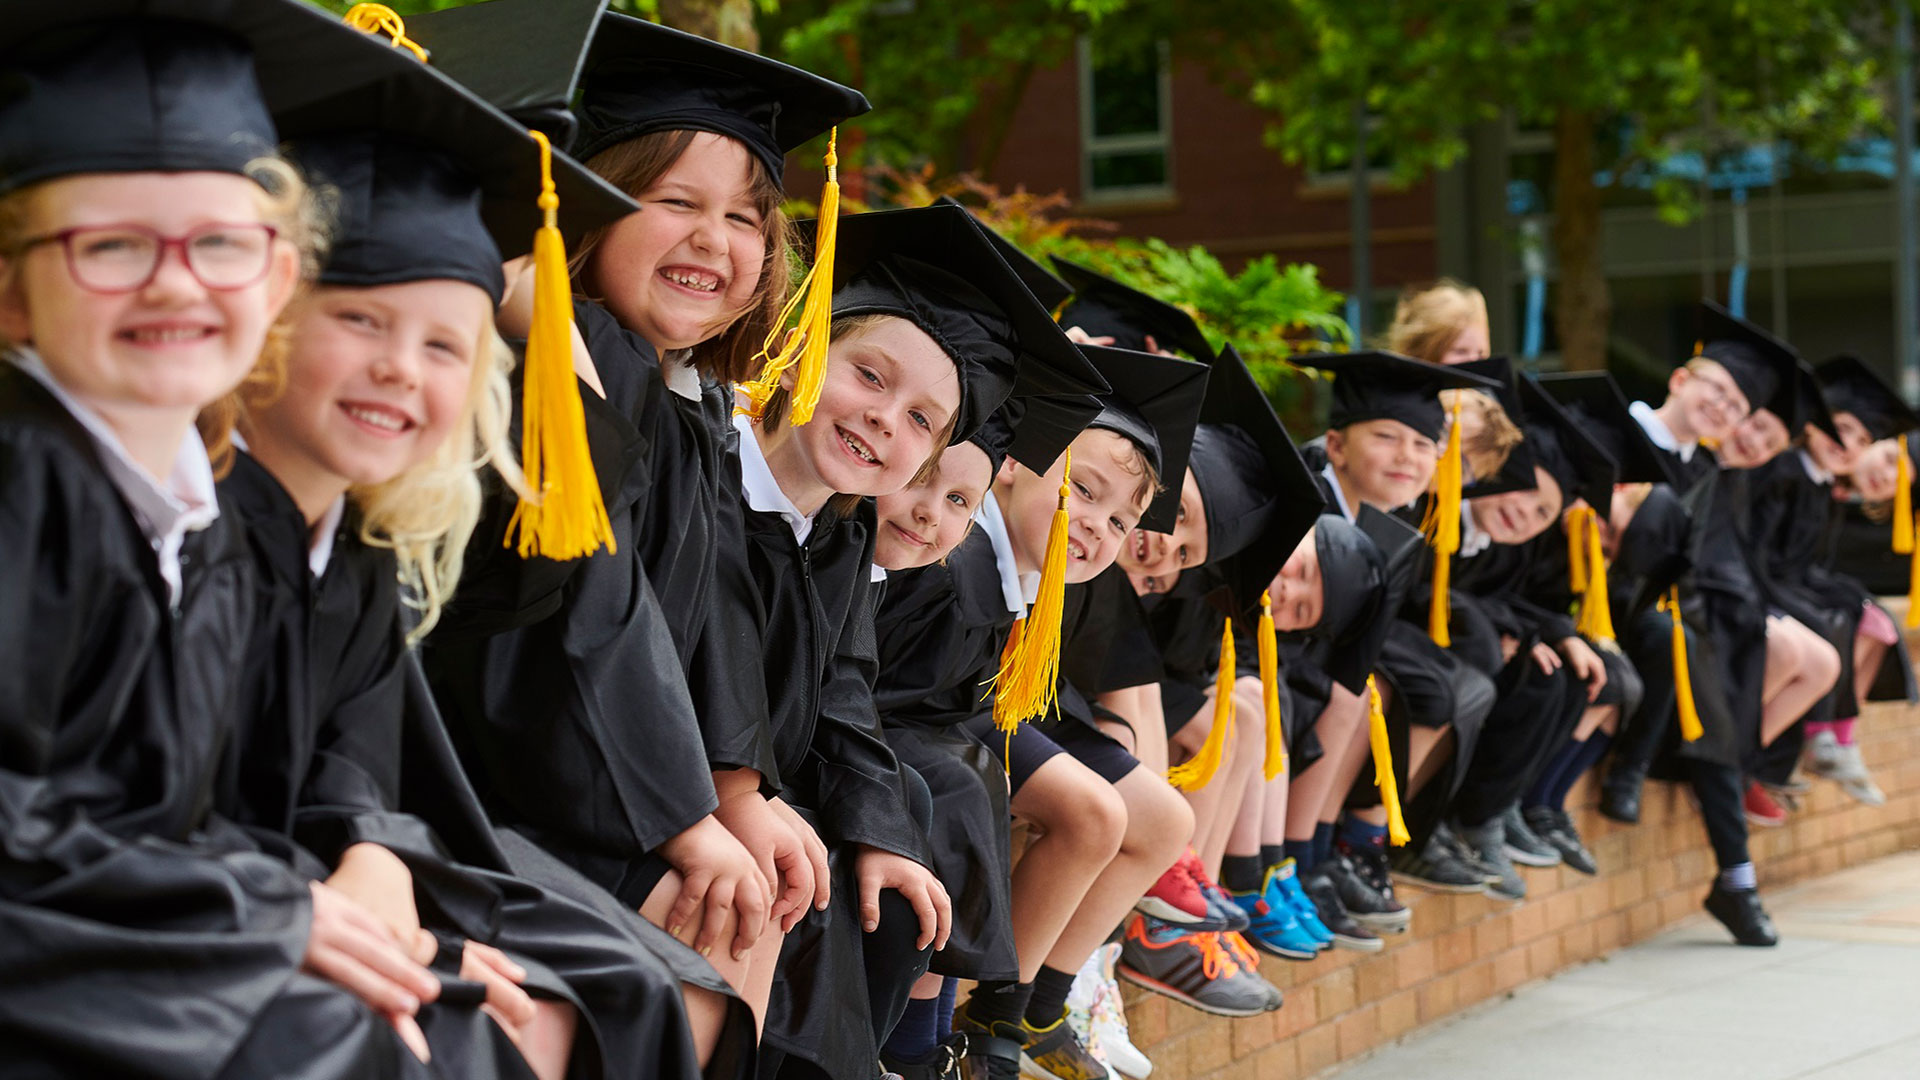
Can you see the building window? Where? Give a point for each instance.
(1126, 122)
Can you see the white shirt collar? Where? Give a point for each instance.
(1658, 433)
(1339, 496)
(166, 511)
(676, 367)
(1473, 540)
(320, 551)
(762, 490)
(1015, 589)
(1814, 472)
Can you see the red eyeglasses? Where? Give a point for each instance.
(126, 258)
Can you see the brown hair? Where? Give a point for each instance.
(1488, 449)
(636, 165)
(1428, 318)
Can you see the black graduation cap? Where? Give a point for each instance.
(1045, 287)
(433, 182)
(937, 267)
(1851, 386)
(1594, 402)
(524, 56)
(1358, 563)
(1811, 402)
(1258, 494)
(1516, 473)
(1154, 402)
(1562, 445)
(1388, 386)
(1761, 365)
(1104, 307)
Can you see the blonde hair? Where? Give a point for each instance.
(1428, 319)
(1492, 441)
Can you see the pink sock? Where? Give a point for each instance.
(1843, 731)
(1815, 727)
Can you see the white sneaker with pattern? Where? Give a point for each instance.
(1094, 1010)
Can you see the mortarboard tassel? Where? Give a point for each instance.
(567, 519)
(1690, 728)
(1903, 502)
(1596, 609)
(1443, 530)
(1383, 766)
(379, 18)
(1276, 761)
(805, 350)
(1028, 683)
(1913, 588)
(1577, 550)
(1197, 772)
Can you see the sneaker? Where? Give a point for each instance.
(1095, 1011)
(1221, 909)
(1823, 756)
(1465, 852)
(1249, 960)
(1347, 932)
(1620, 793)
(992, 1052)
(1524, 846)
(1376, 911)
(1372, 867)
(1761, 809)
(1740, 912)
(1864, 792)
(1556, 828)
(1488, 843)
(1055, 1052)
(1194, 969)
(944, 1064)
(1274, 924)
(1854, 779)
(1303, 909)
(1436, 867)
(1176, 897)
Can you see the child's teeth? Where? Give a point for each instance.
(377, 419)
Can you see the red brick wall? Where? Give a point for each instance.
(1463, 950)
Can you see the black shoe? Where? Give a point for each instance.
(1488, 844)
(1381, 914)
(1556, 828)
(1740, 912)
(992, 1051)
(942, 1064)
(1524, 845)
(1347, 932)
(1620, 793)
(1436, 867)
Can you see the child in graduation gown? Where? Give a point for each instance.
(673, 303)
(153, 236)
(360, 474)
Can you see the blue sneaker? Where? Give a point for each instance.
(1274, 926)
(1285, 873)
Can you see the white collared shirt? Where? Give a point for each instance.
(166, 511)
(1339, 496)
(1473, 540)
(1658, 433)
(1017, 590)
(320, 549)
(762, 490)
(676, 367)
(1814, 472)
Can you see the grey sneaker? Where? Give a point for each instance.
(1825, 757)
(1436, 867)
(1378, 912)
(1524, 846)
(1488, 843)
(1200, 970)
(1556, 827)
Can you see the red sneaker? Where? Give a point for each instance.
(1761, 809)
(1176, 897)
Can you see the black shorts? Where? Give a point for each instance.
(1033, 745)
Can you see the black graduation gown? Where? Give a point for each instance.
(128, 914)
(805, 611)
(941, 629)
(327, 769)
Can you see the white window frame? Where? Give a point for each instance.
(1092, 145)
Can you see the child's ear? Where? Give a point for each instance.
(1680, 378)
(1006, 473)
(16, 326)
(1337, 447)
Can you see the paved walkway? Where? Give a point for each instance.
(1838, 999)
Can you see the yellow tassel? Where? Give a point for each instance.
(1577, 550)
(1913, 589)
(1383, 766)
(1195, 773)
(381, 19)
(1028, 683)
(805, 350)
(565, 519)
(1443, 530)
(1690, 728)
(1276, 761)
(1596, 611)
(1903, 502)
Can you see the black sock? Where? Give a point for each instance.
(918, 1032)
(1273, 855)
(1322, 842)
(949, 993)
(1242, 873)
(1301, 852)
(998, 1001)
(1049, 1001)
(1590, 754)
(1541, 793)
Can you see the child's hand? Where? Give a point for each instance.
(816, 852)
(719, 875)
(878, 870)
(376, 880)
(348, 946)
(1544, 656)
(1081, 337)
(783, 860)
(1586, 665)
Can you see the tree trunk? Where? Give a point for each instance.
(1583, 306)
(729, 22)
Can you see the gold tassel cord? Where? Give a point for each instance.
(1903, 502)
(1577, 549)
(1596, 608)
(1913, 589)
(1690, 728)
(1443, 517)
(1197, 772)
(566, 518)
(1276, 758)
(804, 351)
(1383, 766)
(381, 19)
(1028, 683)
